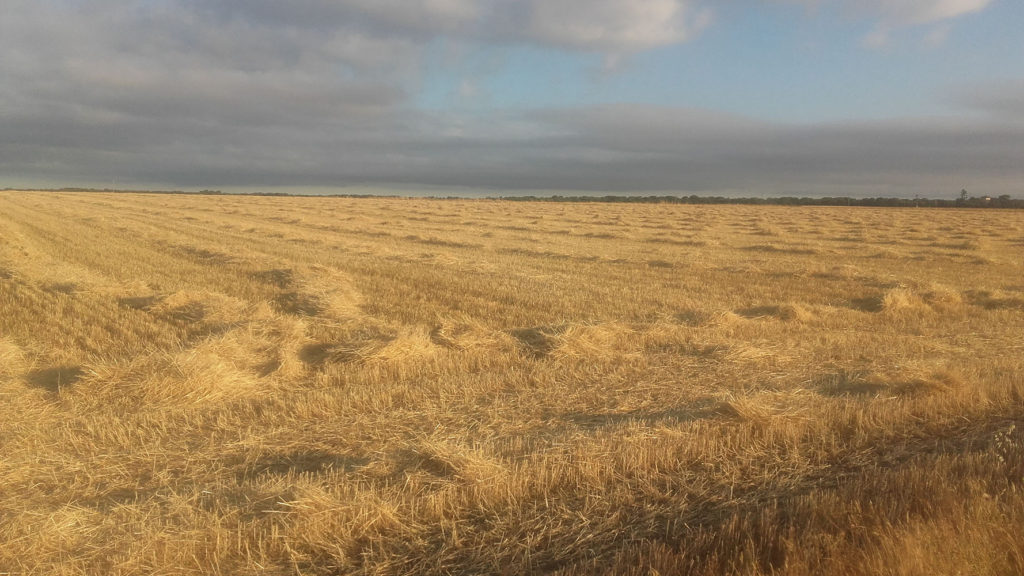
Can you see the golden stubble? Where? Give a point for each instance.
(234, 385)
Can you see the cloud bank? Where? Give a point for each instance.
(254, 93)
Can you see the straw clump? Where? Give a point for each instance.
(12, 359)
(901, 300)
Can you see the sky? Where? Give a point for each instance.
(734, 97)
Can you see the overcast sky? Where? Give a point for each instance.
(748, 97)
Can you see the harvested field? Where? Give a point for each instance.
(267, 385)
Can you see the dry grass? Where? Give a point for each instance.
(245, 385)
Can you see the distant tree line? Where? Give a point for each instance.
(963, 200)
(1004, 201)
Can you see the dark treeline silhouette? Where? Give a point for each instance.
(1004, 201)
(962, 201)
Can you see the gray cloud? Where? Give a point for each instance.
(889, 15)
(315, 93)
(909, 12)
(618, 148)
(903, 12)
(613, 24)
(1001, 100)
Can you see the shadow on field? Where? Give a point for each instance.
(660, 264)
(864, 384)
(592, 421)
(780, 249)
(867, 304)
(539, 340)
(139, 302)
(201, 255)
(842, 384)
(54, 378)
(692, 317)
(787, 312)
(189, 312)
(760, 311)
(311, 462)
(279, 277)
(62, 287)
(994, 300)
(316, 354)
(298, 304)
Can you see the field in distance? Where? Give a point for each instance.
(243, 385)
